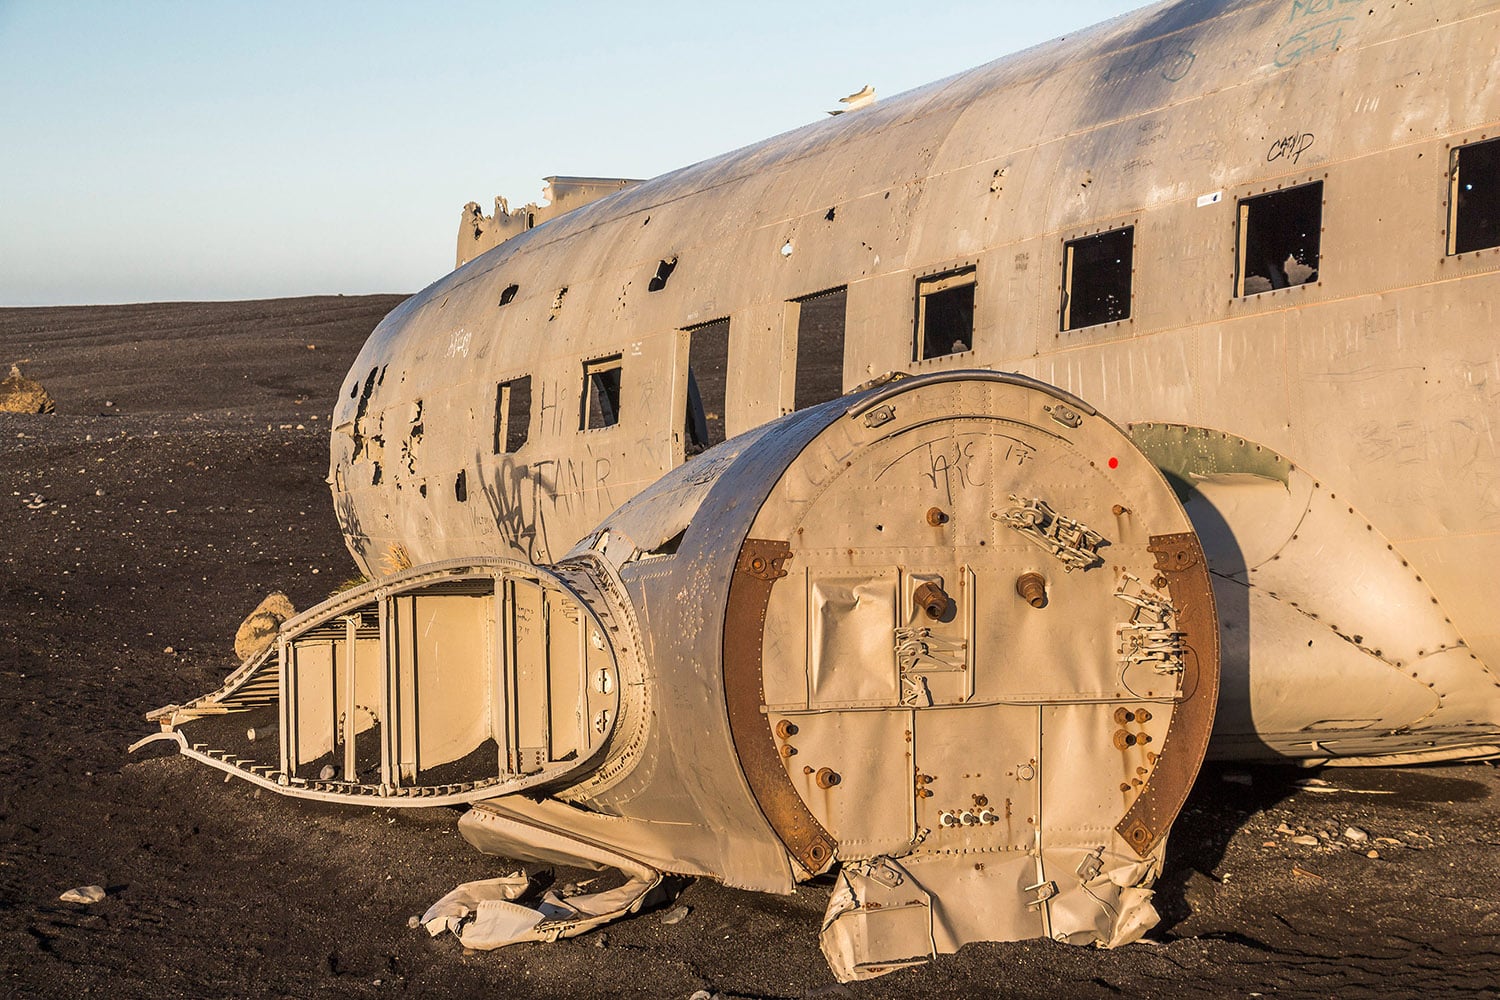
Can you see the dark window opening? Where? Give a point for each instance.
(461, 486)
(707, 381)
(1474, 202)
(508, 294)
(945, 314)
(820, 348)
(512, 414)
(831, 213)
(601, 393)
(1096, 278)
(1280, 234)
(663, 272)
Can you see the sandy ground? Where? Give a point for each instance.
(181, 478)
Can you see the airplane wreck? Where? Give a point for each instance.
(770, 519)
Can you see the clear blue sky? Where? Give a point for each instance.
(154, 150)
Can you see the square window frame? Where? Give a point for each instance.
(596, 365)
(1132, 223)
(1450, 204)
(1249, 193)
(503, 429)
(949, 275)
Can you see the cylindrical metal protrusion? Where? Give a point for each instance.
(786, 729)
(827, 777)
(1124, 715)
(933, 600)
(1033, 589)
(1124, 740)
(936, 517)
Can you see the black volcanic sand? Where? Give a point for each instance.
(182, 478)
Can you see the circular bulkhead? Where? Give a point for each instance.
(972, 622)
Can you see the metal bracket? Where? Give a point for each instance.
(1073, 543)
(1151, 635)
(1044, 891)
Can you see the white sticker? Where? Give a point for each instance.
(1210, 199)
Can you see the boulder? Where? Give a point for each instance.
(19, 394)
(259, 630)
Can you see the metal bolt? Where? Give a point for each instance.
(827, 777)
(1142, 715)
(933, 600)
(936, 517)
(1124, 715)
(786, 729)
(787, 750)
(1124, 739)
(1033, 589)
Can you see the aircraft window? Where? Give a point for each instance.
(820, 347)
(708, 366)
(1280, 234)
(1096, 278)
(1474, 199)
(512, 414)
(601, 393)
(945, 314)
(508, 293)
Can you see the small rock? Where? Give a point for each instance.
(413, 922)
(1306, 840)
(1282, 828)
(84, 894)
(1372, 854)
(169, 650)
(327, 774)
(1268, 843)
(1355, 834)
(1199, 891)
(602, 941)
(675, 915)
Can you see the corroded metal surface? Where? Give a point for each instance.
(760, 564)
(1179, 558)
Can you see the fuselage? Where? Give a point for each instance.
(1302, 273)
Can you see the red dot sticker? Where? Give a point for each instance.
(1114, 463)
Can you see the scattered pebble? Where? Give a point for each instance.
(1355, 834)
(675, 915)
(413, 922)
(1306, 840)
(1372, 854)
(169, 650)
(1282, 828)
(327, 773)
(84, 894)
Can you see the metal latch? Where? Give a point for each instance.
(1044, 891)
